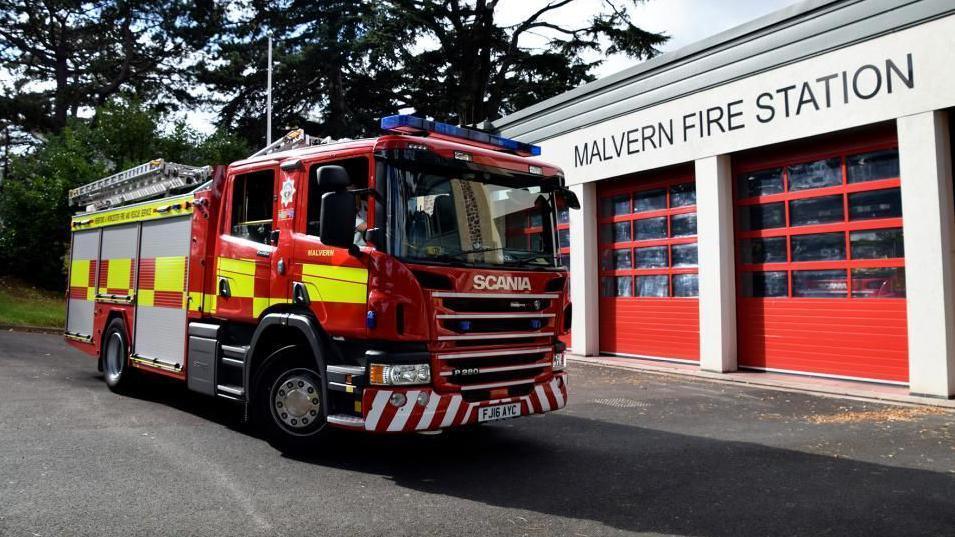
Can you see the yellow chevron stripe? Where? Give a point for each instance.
(347, 274)
(238, 266)
(327, 290)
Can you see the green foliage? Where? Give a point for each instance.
(24, 305)
(34, 215)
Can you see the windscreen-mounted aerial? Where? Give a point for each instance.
(407, 124)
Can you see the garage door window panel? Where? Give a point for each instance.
(875, 204)
(820, 283)
(686, 285)
(654, 257)
(816, 174)
(877, 244)
(760, 183)
(873, 166)
(683, 195)
(878, 282)
(684, 255)
(650, 228)
(765, 284)
(653, 286)
(835, 214)
(757, 217)
(810, 211)
(760, 251)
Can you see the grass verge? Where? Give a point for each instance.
(24, 305)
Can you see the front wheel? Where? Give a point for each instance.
(289, 404)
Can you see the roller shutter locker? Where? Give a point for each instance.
(161, 290)
(820, 261)
(117, 267)
(648, 268)
(84, 257)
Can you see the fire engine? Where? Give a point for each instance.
(407, 282)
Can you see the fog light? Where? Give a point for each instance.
(398, 399)
(559, 362)
(423, 398)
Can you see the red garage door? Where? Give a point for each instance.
(648, 268)
(821, 263)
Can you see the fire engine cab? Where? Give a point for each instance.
(408, 282)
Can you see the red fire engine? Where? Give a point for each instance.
(408, 282)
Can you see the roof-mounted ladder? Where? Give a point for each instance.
(294, 140)
(152, 179)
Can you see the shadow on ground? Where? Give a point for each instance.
(637, 479)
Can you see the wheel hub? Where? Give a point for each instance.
(296, 401)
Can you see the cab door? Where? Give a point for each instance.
(244, 251)
(333, 282)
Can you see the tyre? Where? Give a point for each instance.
(289, 404)
(115, 360)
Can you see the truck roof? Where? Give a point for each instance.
(433, 142)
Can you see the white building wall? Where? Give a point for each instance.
(925, 158)
(584, 293)
(717, 269)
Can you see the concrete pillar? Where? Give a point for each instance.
(925, 158)
(714, 223)
(584, 291)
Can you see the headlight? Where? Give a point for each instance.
(560, 361)
(400, 375)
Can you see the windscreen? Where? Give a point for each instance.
(447, 215)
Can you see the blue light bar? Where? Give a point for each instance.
(407, 124)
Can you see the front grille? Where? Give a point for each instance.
(506, 368)
(488, 305)
(494, 343)
(477, 324)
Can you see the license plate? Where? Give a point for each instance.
(499, 412)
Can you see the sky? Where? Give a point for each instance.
(685, 21)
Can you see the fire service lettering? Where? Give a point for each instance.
(501, 283)
(805, 97)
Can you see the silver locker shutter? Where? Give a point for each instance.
(83, 258)
(161, 327)
(119, 248)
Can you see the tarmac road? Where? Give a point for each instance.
(632, 453)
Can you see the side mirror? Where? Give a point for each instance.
(332, 178)
(337, 226)
(570, 198)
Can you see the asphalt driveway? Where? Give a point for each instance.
(632, 453)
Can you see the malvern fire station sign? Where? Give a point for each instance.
(889, 77)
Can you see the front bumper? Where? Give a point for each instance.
(442, 411)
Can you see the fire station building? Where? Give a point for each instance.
(777, 197)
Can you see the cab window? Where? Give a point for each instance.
(357, 169)
(252, 195)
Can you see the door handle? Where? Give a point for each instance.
(224, 289)
(300, 294)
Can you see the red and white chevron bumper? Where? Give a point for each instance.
(439, 411)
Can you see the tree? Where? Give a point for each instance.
(70, 56)
(481, 69)
(330, 77)
(33, 199)
(342, 65)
